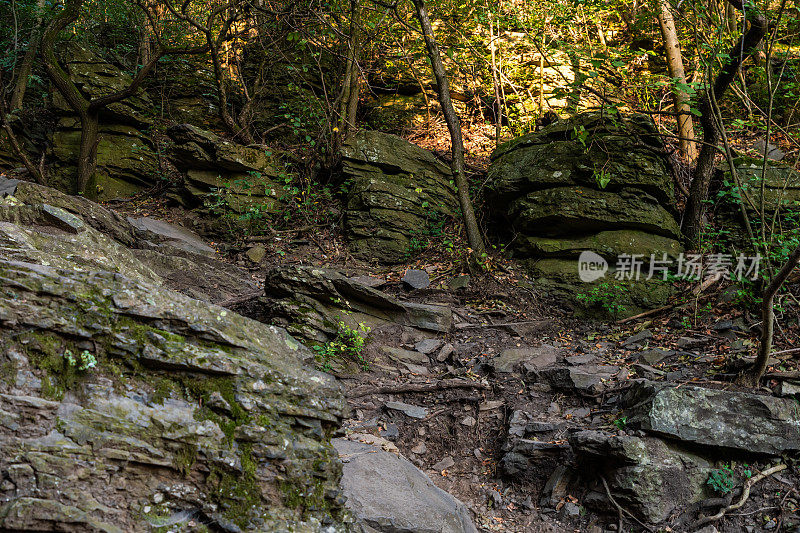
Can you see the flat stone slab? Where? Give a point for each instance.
(388, 494)
(738, 420)
(416, 279)
(414, 411)
(534, 358)
(171, 234)
(405, 356)
(586, 379)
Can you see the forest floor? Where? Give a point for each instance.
(463, 432)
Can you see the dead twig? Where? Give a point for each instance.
(505, 324)
(413, 387)
(621, 509)
(647, 313)
(745, 495)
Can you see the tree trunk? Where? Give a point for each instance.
(753, 375)
(222, 93)
(21, 85)
(675, 67)
(496, 109)
(698, 193)
(89, 110)
(454, 126)
(87, 157)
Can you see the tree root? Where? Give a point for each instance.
(745, 495)
(412, 387)
(621, 509)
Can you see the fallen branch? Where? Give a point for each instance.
(647, 313)
(505, 324)
(412, 387)
(745, 495)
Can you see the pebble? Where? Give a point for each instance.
(391, 432)
(419, 449)
(444, 464)
(445, 353)
(416, 279)
(468, 421)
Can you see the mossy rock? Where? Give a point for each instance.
(127, 406)
(395, 189)
(559, 278)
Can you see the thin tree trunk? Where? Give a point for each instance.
(675, 67)
(222, 93)
(454, 126)
(87, 157)
(16, 146)
(498, 123)
(752, 375)
(353, 91)
(698, 193)
(21, 85)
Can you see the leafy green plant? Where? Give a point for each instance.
(83, 362)
(722, 479)
(602, 178)
(621, 422)
(348, 345)
(607, 296)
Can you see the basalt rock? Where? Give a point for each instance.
(396, 191)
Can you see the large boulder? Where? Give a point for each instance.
(594, 183)
(781, 183)
(311, 302)
(651, 477)
(749, 423)
(95, 77)
(185, 91)
(126, 162)
(97, 238)
(396, 190)
(388, 494)
(224, 171)
(125, 406)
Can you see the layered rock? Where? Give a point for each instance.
(310, 302)
(649, 476)
(218, 169)
(396, 189)
(126, 160)
(781, 195)
(594, 182)
(96, 238)
(746, 422)
(125, 406)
